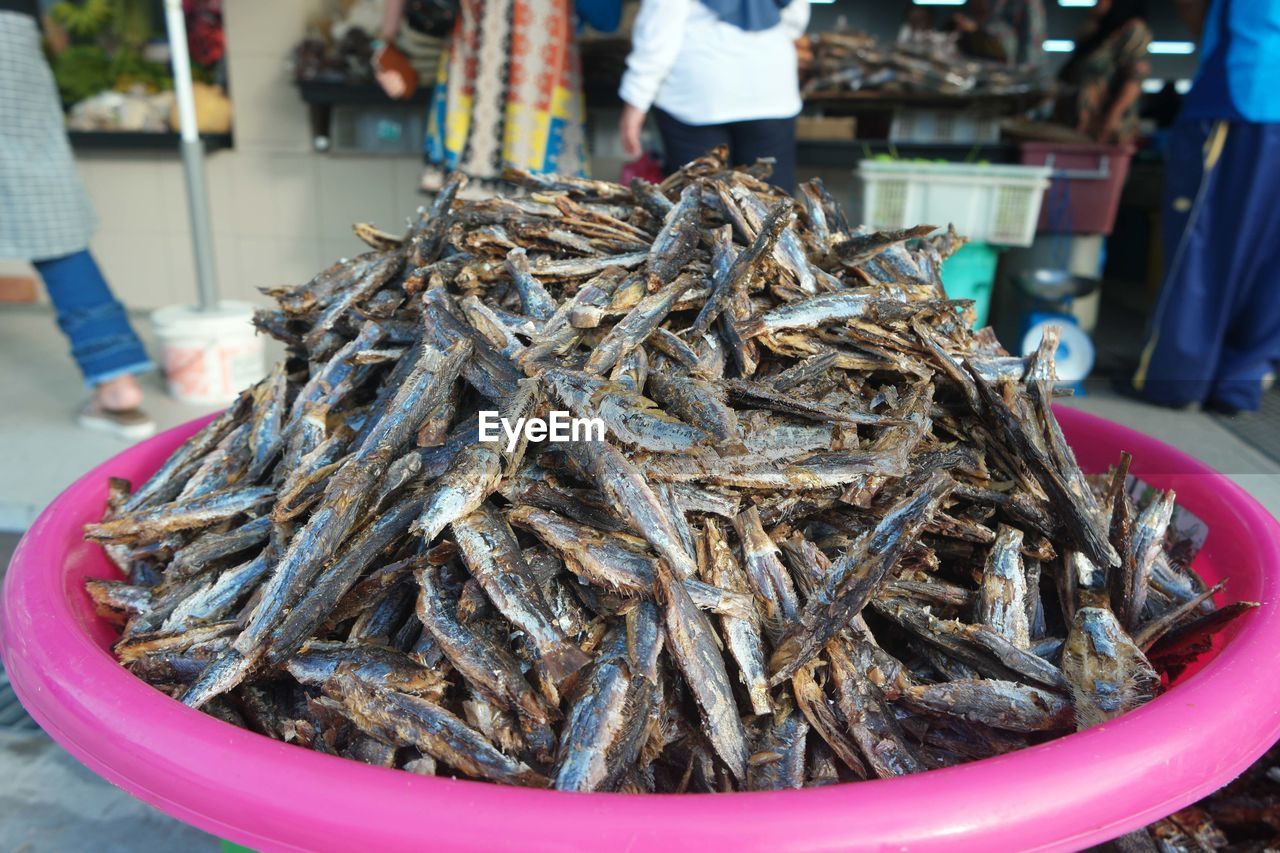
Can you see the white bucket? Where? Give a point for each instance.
(209, 357)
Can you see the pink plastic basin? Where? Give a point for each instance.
(1067, 794)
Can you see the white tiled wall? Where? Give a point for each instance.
(277, 217)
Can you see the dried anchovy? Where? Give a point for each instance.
(830, 532)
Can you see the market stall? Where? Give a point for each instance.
(651, 504)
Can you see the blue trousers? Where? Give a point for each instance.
(103, 343)
(1216, 328)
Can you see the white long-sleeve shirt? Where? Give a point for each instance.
(701, 70)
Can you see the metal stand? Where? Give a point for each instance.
(192, 157)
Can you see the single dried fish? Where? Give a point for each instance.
(1107, 672)
(491, 552)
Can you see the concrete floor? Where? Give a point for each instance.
(86, 814)
(1197, 434)
(42, 449)
(48, 801)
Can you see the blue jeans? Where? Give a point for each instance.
(103, 343)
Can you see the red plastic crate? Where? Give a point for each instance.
(1084, 192)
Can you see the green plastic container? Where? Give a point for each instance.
(971, 274)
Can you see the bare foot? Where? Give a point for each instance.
(119, 394)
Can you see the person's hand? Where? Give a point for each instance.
(629, 127)
(964, 23)
(393, 72)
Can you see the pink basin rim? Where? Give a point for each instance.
(1068, 794)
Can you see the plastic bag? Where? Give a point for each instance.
(644, 167)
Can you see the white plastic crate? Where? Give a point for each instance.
(918, 125)
(991, 203)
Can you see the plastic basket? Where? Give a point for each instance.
(971, 274)
(1085, 187)
(986, 203)
(917, 125)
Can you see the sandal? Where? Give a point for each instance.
(127, 423)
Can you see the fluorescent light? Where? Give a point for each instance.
(821, 2)
(1078, 3)
(939, 2)
(1152, 85)
(1178, 47)
(1182, 86)
(1059, 45)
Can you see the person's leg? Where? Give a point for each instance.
(771, 137)
(1250, 237)
(684, 142)
(103, 343)
(1184, 343)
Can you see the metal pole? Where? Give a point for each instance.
(192, 156)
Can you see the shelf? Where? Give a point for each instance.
(320, 93)
(133, 140)
(883, 100)
(599, 90)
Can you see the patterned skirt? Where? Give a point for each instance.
(508, 93)
(44, 209)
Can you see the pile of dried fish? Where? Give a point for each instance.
(831, 533)
(856, 62)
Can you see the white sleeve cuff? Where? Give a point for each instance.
(634, 92)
